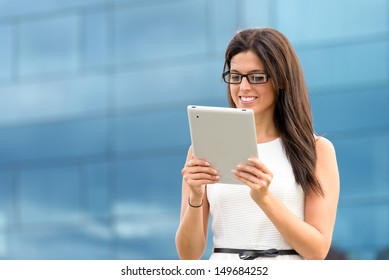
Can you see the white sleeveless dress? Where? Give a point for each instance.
(239, 223)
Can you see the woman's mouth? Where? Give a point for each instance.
(247, 99)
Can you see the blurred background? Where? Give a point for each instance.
(93, 124)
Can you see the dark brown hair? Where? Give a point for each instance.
(292, 115)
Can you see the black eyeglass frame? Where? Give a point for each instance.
(266, 75)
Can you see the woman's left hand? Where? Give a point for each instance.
(255, 175)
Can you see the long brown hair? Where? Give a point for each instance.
(292, 115)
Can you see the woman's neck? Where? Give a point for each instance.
(266, 130)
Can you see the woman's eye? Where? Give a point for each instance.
(234, 77)
(257, 78)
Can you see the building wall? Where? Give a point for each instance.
(93, 125)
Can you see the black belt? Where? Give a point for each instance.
(253, 254)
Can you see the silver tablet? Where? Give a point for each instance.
(224, 137)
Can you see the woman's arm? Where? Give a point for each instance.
(312, 237)
(191, 236)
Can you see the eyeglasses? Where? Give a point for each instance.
(253, 78)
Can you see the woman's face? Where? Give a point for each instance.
(258, 97)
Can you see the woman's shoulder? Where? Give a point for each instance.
(323, 143)
(324, 147)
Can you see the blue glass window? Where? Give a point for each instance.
(49, 45)
(347, 65)
(53, 100)
(149, 185)
(50, 194)
(152, 32)
(99, 189)
(6, 51)
(221, 30)
(149, 238)
(330, 20)
(96, 39)
(358, 156)
(91, 241)
(23, 7)
(362, 230)
(7, 200)
(342, 111)
(256, 13)
(161, 86)
(53, 140)
(152, 131)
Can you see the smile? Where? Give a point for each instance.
(247, 99)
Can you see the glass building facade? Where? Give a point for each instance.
(93, 124)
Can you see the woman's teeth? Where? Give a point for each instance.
(247, 99)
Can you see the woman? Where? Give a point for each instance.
(286, 205)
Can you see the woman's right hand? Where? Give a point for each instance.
(198, 173)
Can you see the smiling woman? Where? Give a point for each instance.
(286, 206)
(254, 92)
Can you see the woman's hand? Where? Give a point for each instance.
(255, 175)
(198, 173)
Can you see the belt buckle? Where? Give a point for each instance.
(253, 254)
(271, 253)
(248, 255)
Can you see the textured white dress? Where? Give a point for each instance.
(239, 223)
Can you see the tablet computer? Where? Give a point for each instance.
(224, 137)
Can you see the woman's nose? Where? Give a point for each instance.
(244, 84)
